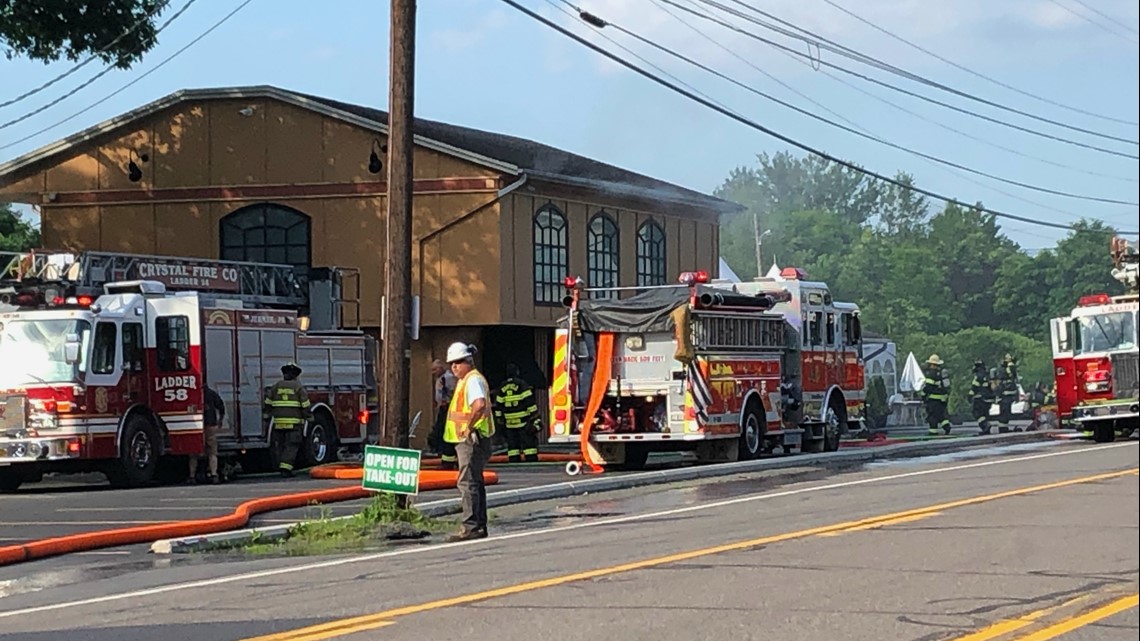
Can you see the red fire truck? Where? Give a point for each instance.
(105, 357)
(729, 371)
(1095, 355)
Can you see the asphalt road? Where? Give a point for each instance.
(1026, 544)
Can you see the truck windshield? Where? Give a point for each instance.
(32, 351)
(1106, 332)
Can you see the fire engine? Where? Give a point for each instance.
(727, 371)
(104, 358)
(1095, 355)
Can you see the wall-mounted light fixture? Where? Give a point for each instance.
(374, 163)
(134, 172)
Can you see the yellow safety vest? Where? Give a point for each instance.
(287, 403)
(459, 413)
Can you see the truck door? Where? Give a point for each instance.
(1064, 374)
(175, 362)
(106, 391)
(133, 361)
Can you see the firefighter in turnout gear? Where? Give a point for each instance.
(517, 410)
(936, 394)
(1008, 391)
(981, 396)
(287, 405)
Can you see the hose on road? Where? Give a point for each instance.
(85, 541)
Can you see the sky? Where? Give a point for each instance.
(484, 64)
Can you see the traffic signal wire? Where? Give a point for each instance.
(787, 139)
(854, 131)
(972, 72)
(824, 63)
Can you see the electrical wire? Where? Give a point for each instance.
(972, 72)
(824, 63)
(133, 82)
(814, 38)
(842, 118)
(90, 81)
(144, 20)
(1089, 20)
(781, 137)
(861, 134)
(1106, 16)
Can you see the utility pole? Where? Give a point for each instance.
(398, 268)
(756, 238)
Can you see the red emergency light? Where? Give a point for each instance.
(690, 278)
(1094, 299)
(572, 282)
(793, 273)
(362, 417)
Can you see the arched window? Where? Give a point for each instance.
(550, 255)
(267, 233)
(602, 254)
(650, 254)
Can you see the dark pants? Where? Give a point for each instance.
(472, 461)
(522, 442)
(936, 416)
(982, 414)
(287, 443)
(1006, 412)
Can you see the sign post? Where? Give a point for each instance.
(391, 469)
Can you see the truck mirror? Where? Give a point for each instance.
(71, 349)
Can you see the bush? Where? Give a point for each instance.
(877, 407)
(959, 350)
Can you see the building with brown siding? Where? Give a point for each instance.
(265, 174)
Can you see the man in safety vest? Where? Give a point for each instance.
(517, 411)
(470, 427)
(936, 393)
(287, 405)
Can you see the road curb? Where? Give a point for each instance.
(588, 485)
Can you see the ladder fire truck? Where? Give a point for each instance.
(728, 371)
(1095, 355)
(104, 358)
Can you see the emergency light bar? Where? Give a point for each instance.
(690, 278)
(1094, 299)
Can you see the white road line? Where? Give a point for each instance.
(234, 578)
(138, 508)
(56, 523)
(105, 553)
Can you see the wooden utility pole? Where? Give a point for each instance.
(398, 271)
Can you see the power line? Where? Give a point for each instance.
(858, 56)
(786, 139)
(90, 81)
(900, 108)
(1106, 16)
(133, 82)
(976, 74)
(851, 130)
(896, 88)
(144, 20)
(842, 118)
(1089, 20)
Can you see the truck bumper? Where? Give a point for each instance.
(1107, 411)
(15, 451)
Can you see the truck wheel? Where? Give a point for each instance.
(139, 452)
(10, 480)
(1104, 432)
(751, 433)
(320, 444)
(832, 428)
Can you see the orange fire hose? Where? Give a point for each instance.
(43, 548)
(598, 388)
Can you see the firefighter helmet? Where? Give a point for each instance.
(934, 360)
(291, 367)
(460, 352)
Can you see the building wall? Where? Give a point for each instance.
(206, 160)
(691, 244)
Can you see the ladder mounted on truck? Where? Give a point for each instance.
(1126, 263)
(267, 284)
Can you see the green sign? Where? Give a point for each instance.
(391, 469)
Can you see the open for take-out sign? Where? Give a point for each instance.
(391, 469)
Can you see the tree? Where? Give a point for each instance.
(16, 234)
(118, 32)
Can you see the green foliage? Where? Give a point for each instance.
(16, 234)
(877, 407)
(119, 32)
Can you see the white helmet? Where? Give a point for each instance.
(460, 352)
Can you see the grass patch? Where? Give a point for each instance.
(380, 521)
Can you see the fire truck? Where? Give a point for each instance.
(104, 358)
(1095, 355)
(727, 371)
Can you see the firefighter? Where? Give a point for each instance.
(444, 389)
(517, 411)
(470, 427)
(1036, 404)
(936, 394)
(287, 405)
(1008, 392)
(981, 396)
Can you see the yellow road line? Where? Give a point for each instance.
(341, 627)
(1008, 626)
(1080, 621)
(874, 526)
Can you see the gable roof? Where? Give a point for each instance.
(508, 154)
